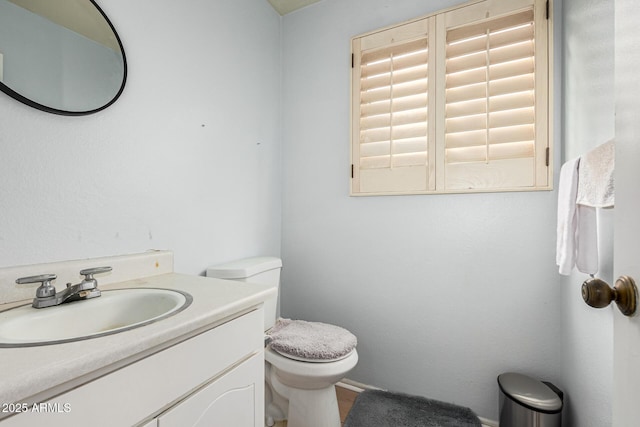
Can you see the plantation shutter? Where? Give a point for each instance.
(454, 102)
(493, 102)
(391, 110)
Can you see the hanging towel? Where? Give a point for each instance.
(586, 239)
(595, 177)
(567, 220)
(577, 232)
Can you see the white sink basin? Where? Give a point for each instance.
(112, 312)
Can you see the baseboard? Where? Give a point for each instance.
(360, 387)
(356, 386)
(488, 423)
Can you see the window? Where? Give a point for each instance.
(453, 102)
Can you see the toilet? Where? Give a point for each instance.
(302, 366)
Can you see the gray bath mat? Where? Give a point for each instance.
(376, 408)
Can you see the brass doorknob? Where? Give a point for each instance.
(597, 293)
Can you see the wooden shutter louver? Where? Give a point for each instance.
(490, 103)
(393, 110)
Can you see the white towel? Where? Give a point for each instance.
(577, 232)
(586, 239)
(595, 177)
(567, 220)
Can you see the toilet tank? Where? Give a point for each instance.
(259, 270)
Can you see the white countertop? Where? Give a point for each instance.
(33, 374)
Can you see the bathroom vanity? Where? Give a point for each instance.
(202, 366)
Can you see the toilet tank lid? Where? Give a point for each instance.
(244, 268)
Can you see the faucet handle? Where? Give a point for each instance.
(46, 289)
(89, 272)
(89, 282)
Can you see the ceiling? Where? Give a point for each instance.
(285, 6)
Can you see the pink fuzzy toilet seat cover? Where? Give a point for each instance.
(311, 340)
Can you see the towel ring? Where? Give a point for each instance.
(597, 293)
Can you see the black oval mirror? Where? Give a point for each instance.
(60, 56)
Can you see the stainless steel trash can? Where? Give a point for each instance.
(527, 402)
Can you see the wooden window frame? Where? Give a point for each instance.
(436, 176)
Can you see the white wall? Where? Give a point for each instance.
(587, 339)
(444, 292)
(188, 158)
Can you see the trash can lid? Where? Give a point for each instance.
(529, 392)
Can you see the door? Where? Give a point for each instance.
(626, 347)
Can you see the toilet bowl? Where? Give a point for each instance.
(309, 387)
(299, 389)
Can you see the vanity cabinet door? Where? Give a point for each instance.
(235, 399)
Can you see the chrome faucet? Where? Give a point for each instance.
(46, 295)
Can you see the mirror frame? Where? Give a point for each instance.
(12, 93)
